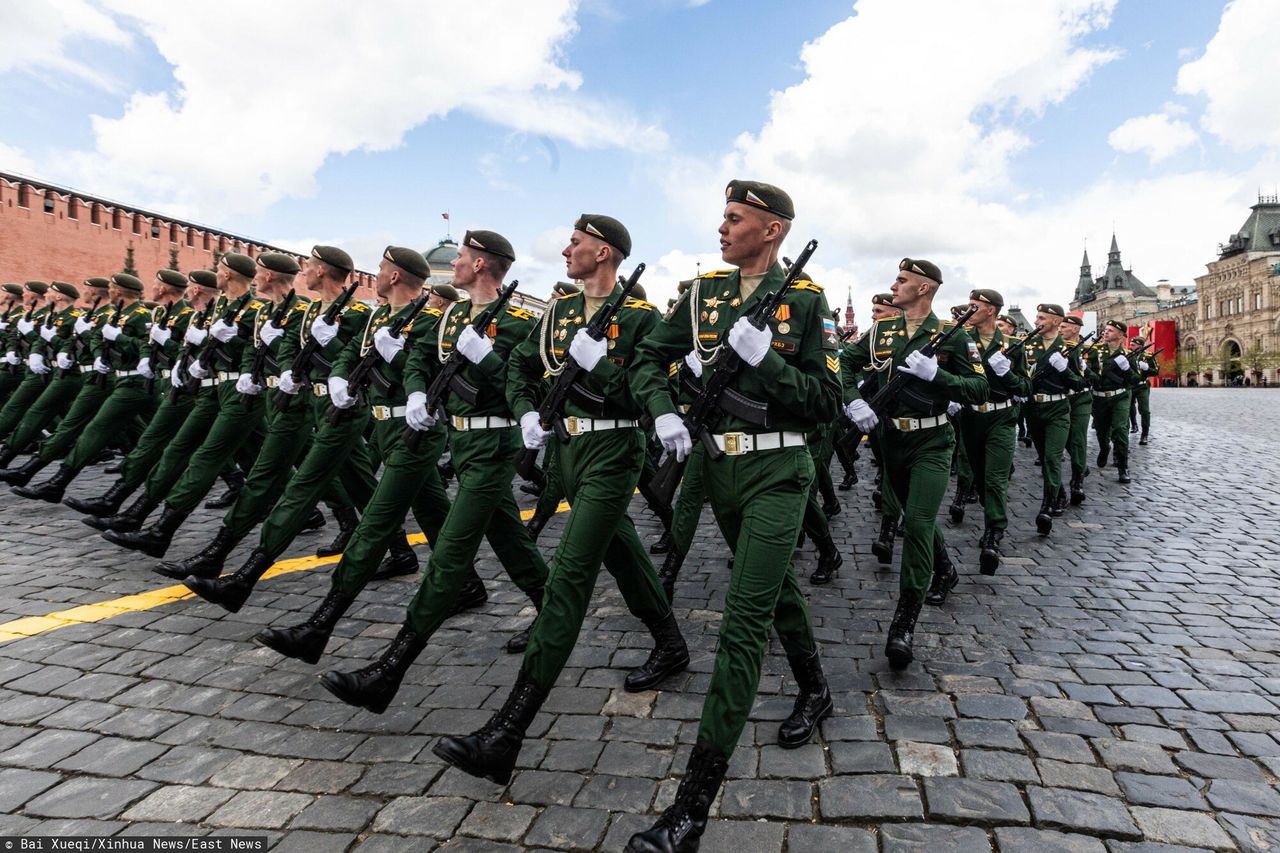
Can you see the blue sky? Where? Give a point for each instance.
(979, 134)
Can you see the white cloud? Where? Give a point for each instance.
(38, 36)
(13, 160)
(1237, 77)
(1156, 135)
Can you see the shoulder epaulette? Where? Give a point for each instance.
(301, 306)
(434, 312)
(185, 311)
(566, 295)
(255, 304)
(357, 306)
(638, 303)
(141, 309)
(717, 274)
(943, 325)
(76, 312)
(520, 313)
(805, 284)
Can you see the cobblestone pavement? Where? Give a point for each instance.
(1113, 688)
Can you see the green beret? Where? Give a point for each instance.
(564, 288)
(334, 257)
(885, 299)
(410, 260)
(638, 292)
(13, 289)
(445, 291)
(605, 228)
(957, 310)
(37, 287)
(97, 281)
(240, 264)
(1050, 308)
(684, 285)
(279, 262)
(1118, 326)
(928, 269)
(1005, 318)
(203, 278)
(493, 243)
(764, 196)
(66, 289)
(172, 278)
(990, 297)
(127, 282)
(1074, 320)
(1136, 340)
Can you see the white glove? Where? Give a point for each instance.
(83, 324)
(673, 434)
(473, 346)
(691, 360)
(101, 366)
(160, 335)
(999, 363)
(110, 332)
(531, 431)
(416, 414)
(323, 332)
(1019, 399)
(387, 345)
(1122, 362)
(287, 385)
(4, 324)
(863, 417)
(587, 351)
(245, 384)
(25, 326)
(338, 393)
(196, 371)
(1058, 361)
(953, 409)
(920, 366)
(64, 361)
(35, 362)
(751, 344)
(144, 367)
(223, 331)
(269, 333)
(1143, 365)
(47, 332)
(195, 335)
(175, 378)
(11, 357)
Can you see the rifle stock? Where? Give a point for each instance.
(362, 373)
(261, 350)
(300, 370)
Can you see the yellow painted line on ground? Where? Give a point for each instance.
(30, 626)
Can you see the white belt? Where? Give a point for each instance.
(738, 443)
(128, 373)
(462, 424)
(224, 376)
(1078, 393)
(320, 389)
(913, 424)
(577, 426)
(983, 408)
(386, 413)
(1047, 398)
(85, 368)
(273, 381)
(208, 383)
(1114, 393)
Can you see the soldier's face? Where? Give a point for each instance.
(879, 312)
(1048, 322)
(1070, 332)
(312, 274)
(264, 283)
(1004, 327)
(583, 255)
(1112, 337)
(437, 302)
(224, 277)
(909, 288)
(385, 280)
(745, 233)
(982, 315)
(464, 268)
(115, 293)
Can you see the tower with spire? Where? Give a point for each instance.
(1117, 293)
(1084, 287)
(848, 310)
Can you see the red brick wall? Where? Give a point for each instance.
(66, 245)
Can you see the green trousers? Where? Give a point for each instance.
(917, 471)
(889, 505)
(8, 382)
(989, 439)
(688, 509)
(58, 396)
(288, 437)
(483, 508)
(124, 413)
(553, 489)
(410, 481)
(1078, 434)
(759, 503)
(20, 402)
(960, 456)
(1111, 423)
(338, 459)
(822, 453)
(1050, 424)
(163, 426)
(600, 471)
(73, 423)
(1140, 407)
(231, 429)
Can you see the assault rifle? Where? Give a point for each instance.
(212, 346)
(95, 378)
(19, 345)
(365, 370)
(300, 370)
(551, 411)
(183, 360)
(727, 365)
(154, 351)
(449, 379)
(74, 349)
(258, 369)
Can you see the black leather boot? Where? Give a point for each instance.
(7, 455)
(902, 631)
(231, 592)
(883, 546)
(850, 480)
(1122, 469)
(1143, 440)
(315, 521)
(670, 572)
(347, 519)
(1077, 485)
(812, 706)
(831, 507)
(133, 517)
(663, 545)
(152, 541)
(1044, 518)
(669, 656)
(472, 594)
(446, 470)
(306, 642)
(829, 561)
(680, 828)
(535, 524)
(956, 510)
(235, 482)
(520, 640)
(22, 475)
(374, 686)
(108, 503)
(205, 563)
(400, 559)
(945, 579)
(989, 558)
(1059, 503)
(1103, 452)
(491, 751)
(50, 490)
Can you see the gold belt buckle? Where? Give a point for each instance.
(572, 426)
(381, 413)
(733, 444)
(319, 389)
(459, 423)
(904, 424)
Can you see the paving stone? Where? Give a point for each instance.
(1142, 757)
(1060, 747)
(1020, 839)
(735, 836)
(544, 788)
(113, 757)
(907, 837)
(436, 817)
(995, 734)
(505, 822)
(179, 804)
(334, 812)
(1083, 777)
(1254, 798)
(805, 762)
(869, 797)
(1252, 833)
(1170, 791)
(1181, 827)
(1228, 702)
(816, 838)
(923, 729)
(971, 801)
(1057, 808)
(304, 841)
(991, 706)
(259, 810)
(926, 759)
(47, 748)
(1220, 766)
(998, 766)
(860, 757)
(565, 828)
(87, 797)
(254, 771)
(17, 786)
(616, 793)
(755, 798)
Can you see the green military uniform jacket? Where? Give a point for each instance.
(798, 379)
(179, 318)
(387, 387)
(63, 323)
(289, 324)
(124, 353)
(1141, 375)
(351, 323)
(1044, 378)
(23, 343)
(1110, 376)
(1015, 383)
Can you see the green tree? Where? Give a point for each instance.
(217, 256)
(128, 261)
(173, 260)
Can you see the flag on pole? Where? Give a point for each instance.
(445, 215)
